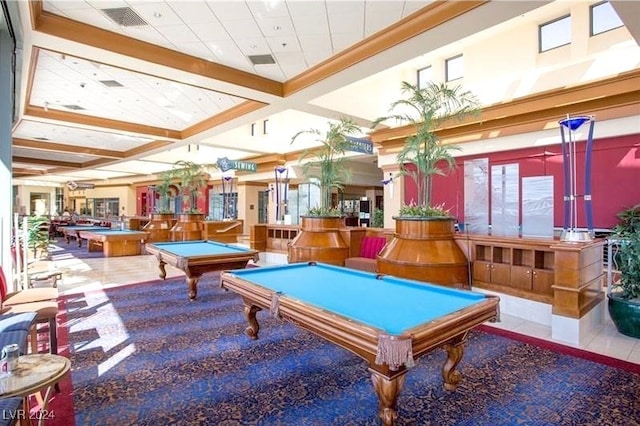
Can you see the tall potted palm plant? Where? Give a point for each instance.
(192, 179)
(325, 166)
(423, 247)
(162, 219)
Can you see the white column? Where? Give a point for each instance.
(393, 194)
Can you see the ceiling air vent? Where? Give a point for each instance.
(124, 16)
(262, 59)
(111, 83)
(73, 107)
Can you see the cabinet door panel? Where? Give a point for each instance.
(542, 281)
(482, 271)
(501, 274)
(521, 277)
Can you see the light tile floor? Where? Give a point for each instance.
(94, 274)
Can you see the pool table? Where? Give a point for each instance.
(198, 257)
(114, 242)
(385, 320)
(73, 231)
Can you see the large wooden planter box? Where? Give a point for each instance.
(319, 240)
(188, 227)
(159, 226)
(423, 249)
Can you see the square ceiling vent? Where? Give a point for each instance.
(124, 16)
(261, 59)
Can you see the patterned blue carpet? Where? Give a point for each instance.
(145, 355)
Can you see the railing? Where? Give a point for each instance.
(613, 271)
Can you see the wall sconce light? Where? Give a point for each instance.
(389, 183)
(265, 127)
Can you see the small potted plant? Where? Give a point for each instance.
(624, 295)
(423, 247)
(325, 166)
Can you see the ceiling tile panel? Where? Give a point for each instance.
(311, 25)
(230, 10)
(194, 12)
(242, 29)
(276, 27)
(177, 34)
(268, 9)
(210, 31)
(157, 14)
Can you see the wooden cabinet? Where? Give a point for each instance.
(565, 275)
(492, 264)
(521, 270)
(520, 267)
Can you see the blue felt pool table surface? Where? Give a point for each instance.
(391, 304)
(200, 248)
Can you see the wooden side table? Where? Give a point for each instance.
(35, 373)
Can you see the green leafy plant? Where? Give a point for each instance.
(38, 235)
(164, 190)
(192, 178)
(428, 109)
(323, 211)
(628, 253)
(377, 218)
(328, 168)
(423, 210)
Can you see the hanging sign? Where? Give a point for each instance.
(362, 145)
(245, 166)
(79, 185)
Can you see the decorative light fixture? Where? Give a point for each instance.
(282, 189)
(570, 230)
(227, 202)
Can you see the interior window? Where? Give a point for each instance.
(555, 33)
(603, 18)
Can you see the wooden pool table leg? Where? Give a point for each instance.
(450, 375)
(387, 391)
(163, 271)
(192, 283)
(250, 312)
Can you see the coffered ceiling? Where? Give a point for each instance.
(124, 88)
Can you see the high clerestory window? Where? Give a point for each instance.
(555, 33)
(454, 68)
(603, 18)
(425, 75)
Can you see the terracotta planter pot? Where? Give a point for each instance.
(424, 249)
(319, 240)
(188, 227)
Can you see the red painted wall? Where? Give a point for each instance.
(615, 177)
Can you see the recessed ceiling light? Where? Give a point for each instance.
(277, 27)
(157, 15)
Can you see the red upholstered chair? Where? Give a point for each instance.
(369, 249)
(41, 301)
